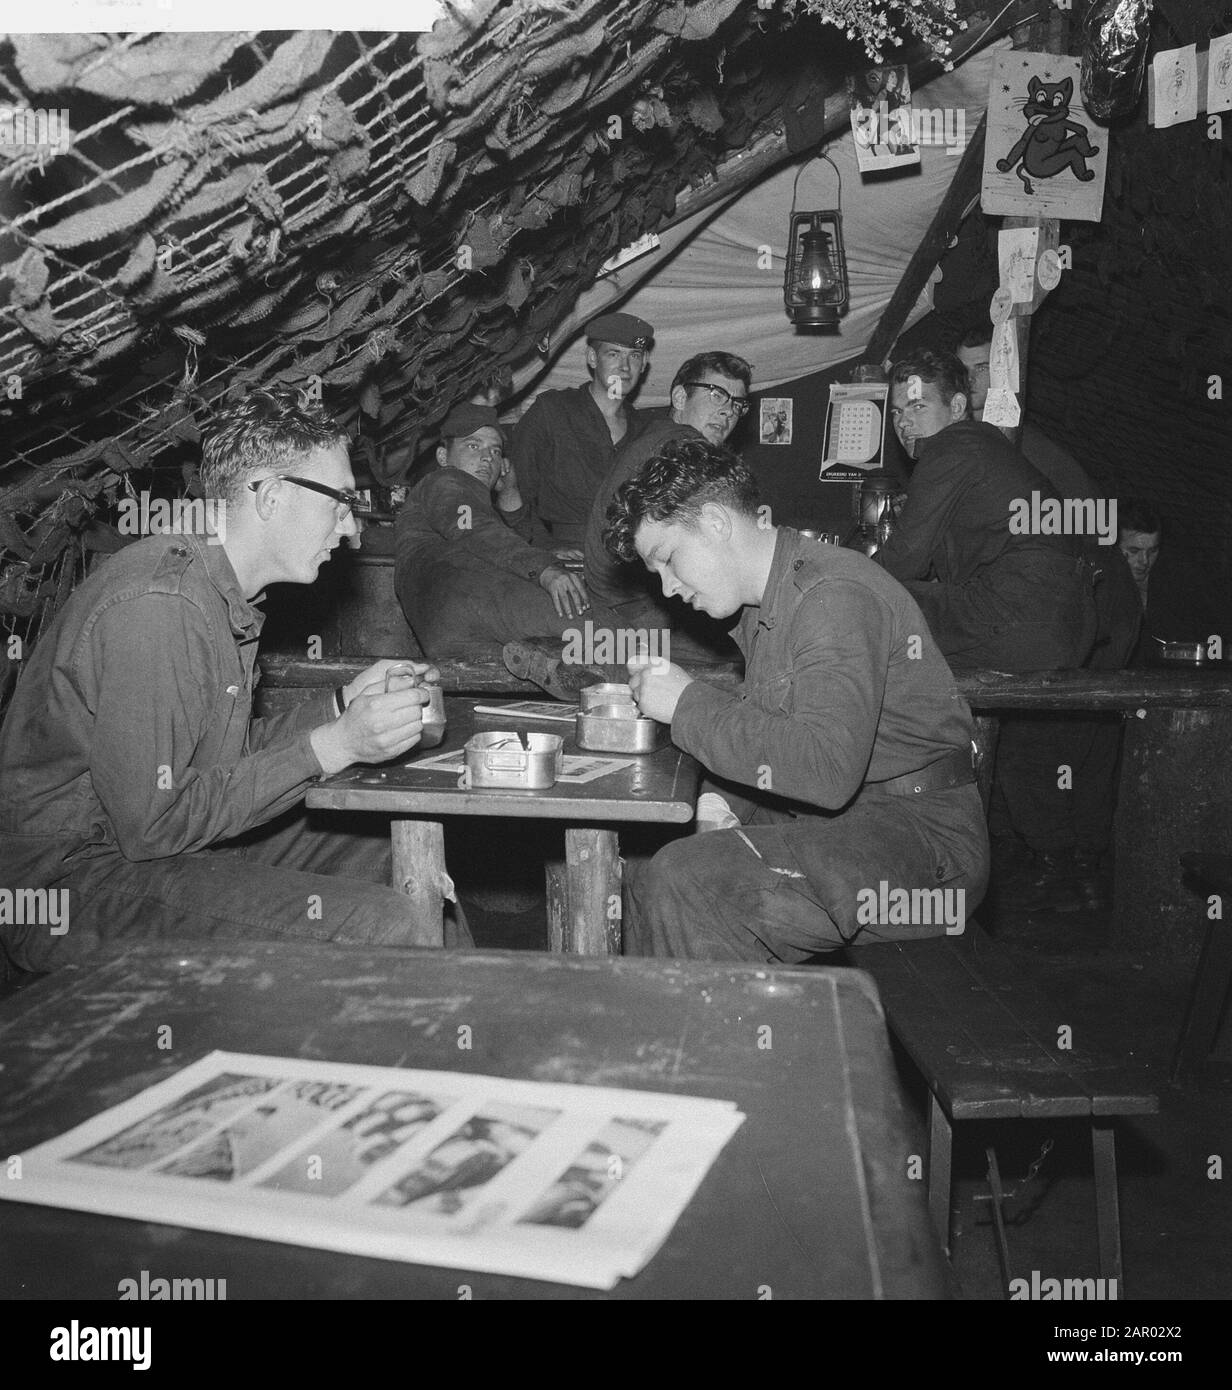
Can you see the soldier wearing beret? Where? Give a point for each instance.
(566, 442)
(466, 571)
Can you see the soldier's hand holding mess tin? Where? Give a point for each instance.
(657, 685)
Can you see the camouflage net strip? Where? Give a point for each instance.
(384, 218)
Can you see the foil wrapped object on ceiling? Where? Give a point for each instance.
(1116, 35)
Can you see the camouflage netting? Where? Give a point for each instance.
(389, 218)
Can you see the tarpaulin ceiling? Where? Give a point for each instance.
(703, 290)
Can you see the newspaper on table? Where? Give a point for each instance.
(574, 767)
(574, 1184)
(555, 710)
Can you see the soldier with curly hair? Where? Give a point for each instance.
(844, 759)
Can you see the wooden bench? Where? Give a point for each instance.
(986, 1042)
(1174, 789)
(285, 680)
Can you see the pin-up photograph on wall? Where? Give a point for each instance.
(881, 118)
(774, 420)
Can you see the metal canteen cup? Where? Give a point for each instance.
(404, 678)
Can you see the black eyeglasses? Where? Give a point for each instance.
(344, 497)
(720, 396)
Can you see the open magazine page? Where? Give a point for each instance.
(575, 1184)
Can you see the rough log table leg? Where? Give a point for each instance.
(558, 905)
(419, 872)
(584, 894)
(987, 733)
(1175, 797)
(1107, 1201)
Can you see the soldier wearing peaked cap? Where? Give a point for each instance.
(566, 442)
(468, 418)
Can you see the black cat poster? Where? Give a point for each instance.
(1044, 155)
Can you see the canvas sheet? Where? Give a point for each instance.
(703, 288)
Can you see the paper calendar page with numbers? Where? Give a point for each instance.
(855, 430)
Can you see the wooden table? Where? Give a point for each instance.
(1174, 794)
(810, 1199)
(584, 890)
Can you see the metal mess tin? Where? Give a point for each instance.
(433, 718)
(609, 722)
(434, 724)
(608, 693)
(527, 760)
(1194, 652)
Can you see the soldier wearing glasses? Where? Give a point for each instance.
(566, 442)
(133, 774)
(466, 571)
(709, 397)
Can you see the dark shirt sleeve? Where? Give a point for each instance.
(805, 732)
(149, 719)
(518, 519)
(530, 453)
(458, 510)
(916, 539)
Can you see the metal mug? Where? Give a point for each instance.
(404, 678)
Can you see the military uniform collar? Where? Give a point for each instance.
(781, 573)
(793, 553)
(245, 617)
(959, 429)
(476, 484)
(598, 409)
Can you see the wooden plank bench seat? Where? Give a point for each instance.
(986, 1041)
(285, 680)
(987, 692)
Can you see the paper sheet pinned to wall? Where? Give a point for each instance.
(1219, 74)
(1174, 77)
(1016, 248)
(1001, 408)
(1003, 359)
